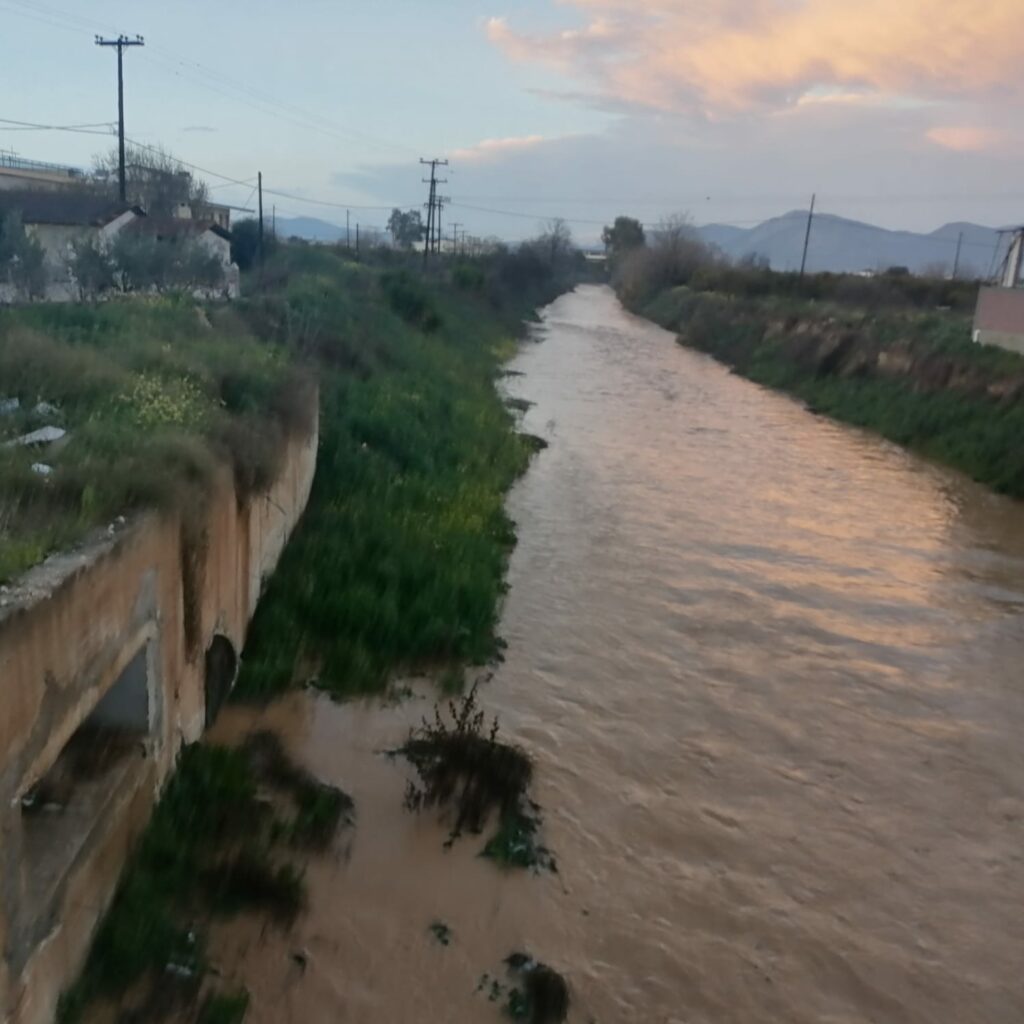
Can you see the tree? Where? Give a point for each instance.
(245, 243)
(554, 246)
(154, 180)
(406, 227)
(93, 267)
(754, 261)
(145, 263)
(22, 262)
(675, 253)
(625, 234)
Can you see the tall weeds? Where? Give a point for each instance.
(399, 560)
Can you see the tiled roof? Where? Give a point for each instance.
(175, 227)
(66, 207)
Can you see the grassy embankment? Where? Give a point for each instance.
(879, 354)
(153, 395)
(398, 564)
(399, 561)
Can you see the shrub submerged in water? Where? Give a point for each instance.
(462, 765)
(541, 995)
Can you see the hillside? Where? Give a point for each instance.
(311, 228)
(842, 245)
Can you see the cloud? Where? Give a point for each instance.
(493, 149)
(964, 138)
(724, 56)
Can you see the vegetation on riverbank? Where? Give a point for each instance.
(214, 846)
(892, 353)
(152, 396)
(399, 561)
(916, 378)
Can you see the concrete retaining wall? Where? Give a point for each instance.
(134, 611)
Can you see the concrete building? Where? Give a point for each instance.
(58, 220)
(17, 174)
(999, 317)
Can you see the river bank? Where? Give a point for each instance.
(397, 564)
(913, 376)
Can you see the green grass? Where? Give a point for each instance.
(941, 406)
(399, 561)
(212, 847)
(154, 394)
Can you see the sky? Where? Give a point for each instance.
(907, 114)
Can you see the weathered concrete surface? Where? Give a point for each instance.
(67, 633)
(999, 318)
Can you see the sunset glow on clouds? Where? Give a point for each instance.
(965, 138)
(493, 149)
(720, 57)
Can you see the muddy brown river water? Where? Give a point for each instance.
(771, 670)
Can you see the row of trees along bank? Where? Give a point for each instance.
(892, 353)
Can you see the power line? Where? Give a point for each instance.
(34, 126)
(209, 78)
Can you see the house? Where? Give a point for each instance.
(999, 317)
(160, 190)
(209, 236)
(58, 220)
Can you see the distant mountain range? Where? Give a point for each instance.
(311, 228)
(851, 246)
(837, 244)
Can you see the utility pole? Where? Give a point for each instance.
(431, 204)
(956, 259)
(441, 200)
(259, 186)
(807, 236)
(455, 239)
(357, 243)
(348, 230)
(120, 42)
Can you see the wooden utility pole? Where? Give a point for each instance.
(807, 236)
(455, 238)
(432, 203)
(259, 186)
(357, 243)
(121, 42)
(956, 259)
(437, 225)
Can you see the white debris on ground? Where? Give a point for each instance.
(44, 435)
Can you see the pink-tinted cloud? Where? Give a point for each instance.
(965, 138)
(494, 149)
(723, 56)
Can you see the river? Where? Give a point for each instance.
(771, 670)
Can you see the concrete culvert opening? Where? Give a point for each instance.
(64, 806)
(221, 670)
